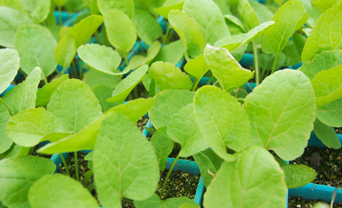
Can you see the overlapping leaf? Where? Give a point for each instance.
(168, 6)
(5, 141)
(65, 51)
(163, 146)
(298, 175)
(9, 65)
(126, 6)
(327, 135)
(147, 27)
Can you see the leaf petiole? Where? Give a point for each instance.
(64, 163)
(256, 63)
(76, 167)
(168, 175)
(274, 63)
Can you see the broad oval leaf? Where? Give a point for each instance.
(126, 6)
(5, 141)
(282, 112)
(327, 135)
(74, 105)
(147, 27)
(171, 53)
(94, 78)
(331, 113)
(39, 9)
(102, 93)
(17, 175)
(100, 57)
(169, 76)
(298, 175)
(65, 51)
(131, 162)
(222, 121)
(9, 65)
(155, 202)
(322, 37)
(163, 146)
(197, 67)
(248, 184)
(36, 47)
(248, 14)
(225, 68)
(46, 193)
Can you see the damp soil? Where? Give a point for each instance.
(338, 130)
(142, 123)
(298, 202)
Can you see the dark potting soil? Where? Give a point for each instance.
(338, 130)
(35, 153)
(142, 123)
(298, 202)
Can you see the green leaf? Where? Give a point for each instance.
(167, 104)
(18, 175)
(10, 21)
(168, 6)
(147, 27)
(293, 49)
(92, 4)
(163, 146)
(169, 76)
(36, 47)
(171, 53)
(123, 89)
(282, 112)
(324, 5)
(184, 130)
(225, 68)
(60, 2)
(23, 96)
(5, 141)
(298, 175)
(100, 57)
(266, 61)
(44, 94)
(94, 78)
(287, 17)
(322, 38)
(131, 162)
(313, 12)
(197, 67)
(208, 17)
(222, 121)
(328, 85)
(207, 161)
(331, 113)
(231, 19)
(39, 9)
(102, 93)
(155, 202)
(247, 14)
(126, 6)
(327, 135)
(74, 105)
(46, 192)
(307, 31)
(28, 127)
(14, 4)
(188, 32)
(65, 51)
(262, 11)
(16, 151)
(9, 65)
(152, 90)
(239, 183)
(54, 137)
(118, 23)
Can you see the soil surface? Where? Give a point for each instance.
(338, 130)
(142, 123)
(298, 202)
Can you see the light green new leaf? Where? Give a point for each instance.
(147, 27)
(171, 53)
(184, 130)
(17, 175)
(324, 5)
(247, 14)
(208, 17)
(28, 127)
(327, 135)
(324, 35)
(163, 146)
(5, 141)
(298, 175)
(287, 17)
(331, 113)
(209, 163)
(54, 137)
(36, 47)
(131, 162)
(46, 192)
(197, 67)
(65, 51)
(102, 93)
(23, 96)
(328, 85)
(168, 6)
(39, 9)
(222, 121)
(126, 6)
(307, 31)
(14, 4)
(100, 57)
(169, 76)
(118, 23)
(167, 104)
(74, 105)
(155, 202)
(188, 32)
(282, 112)
(94, 78)
(9, 65)
(236, 21)
(123, 89)
(253, 180)
(10, 20)
(44, 94)
(261, 10)
(225, 68)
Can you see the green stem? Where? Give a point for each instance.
(168, 175)
(60, 15)
(141, 48)
(97, 37)
(195, 85)
(74, 69)
(170, 35)
(135, 93)
(80, 69)
(256, 63)
(274, 63)
(63, 70)
(167, 33)
(76, 167)
(211, 77)
(65, 165)
(45, 79)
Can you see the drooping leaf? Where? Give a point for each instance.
(126, 6)
(65, 51)
(9, 65)
(123, 89)
(46, 193)
(168, 6)
(100, 57)
(323, 38)
(331, 113)
(222, 121)
(188, 32)
(17, 175)
(38, 9)
(147, 27)
(155, 202)
(5, 141)
(298, 175)
(263, 13)
(167, 104)
(102, 93)
(94, 78)
(36, 47)
(171, 53)
(74, 105)
(225, 68)
(10, 21)
(282, 112)
(327, 135)
(131, 162)
(163, 146)
(247, 14)
(197, 67)
(247, 184)
(23, 96)
(169, 76)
